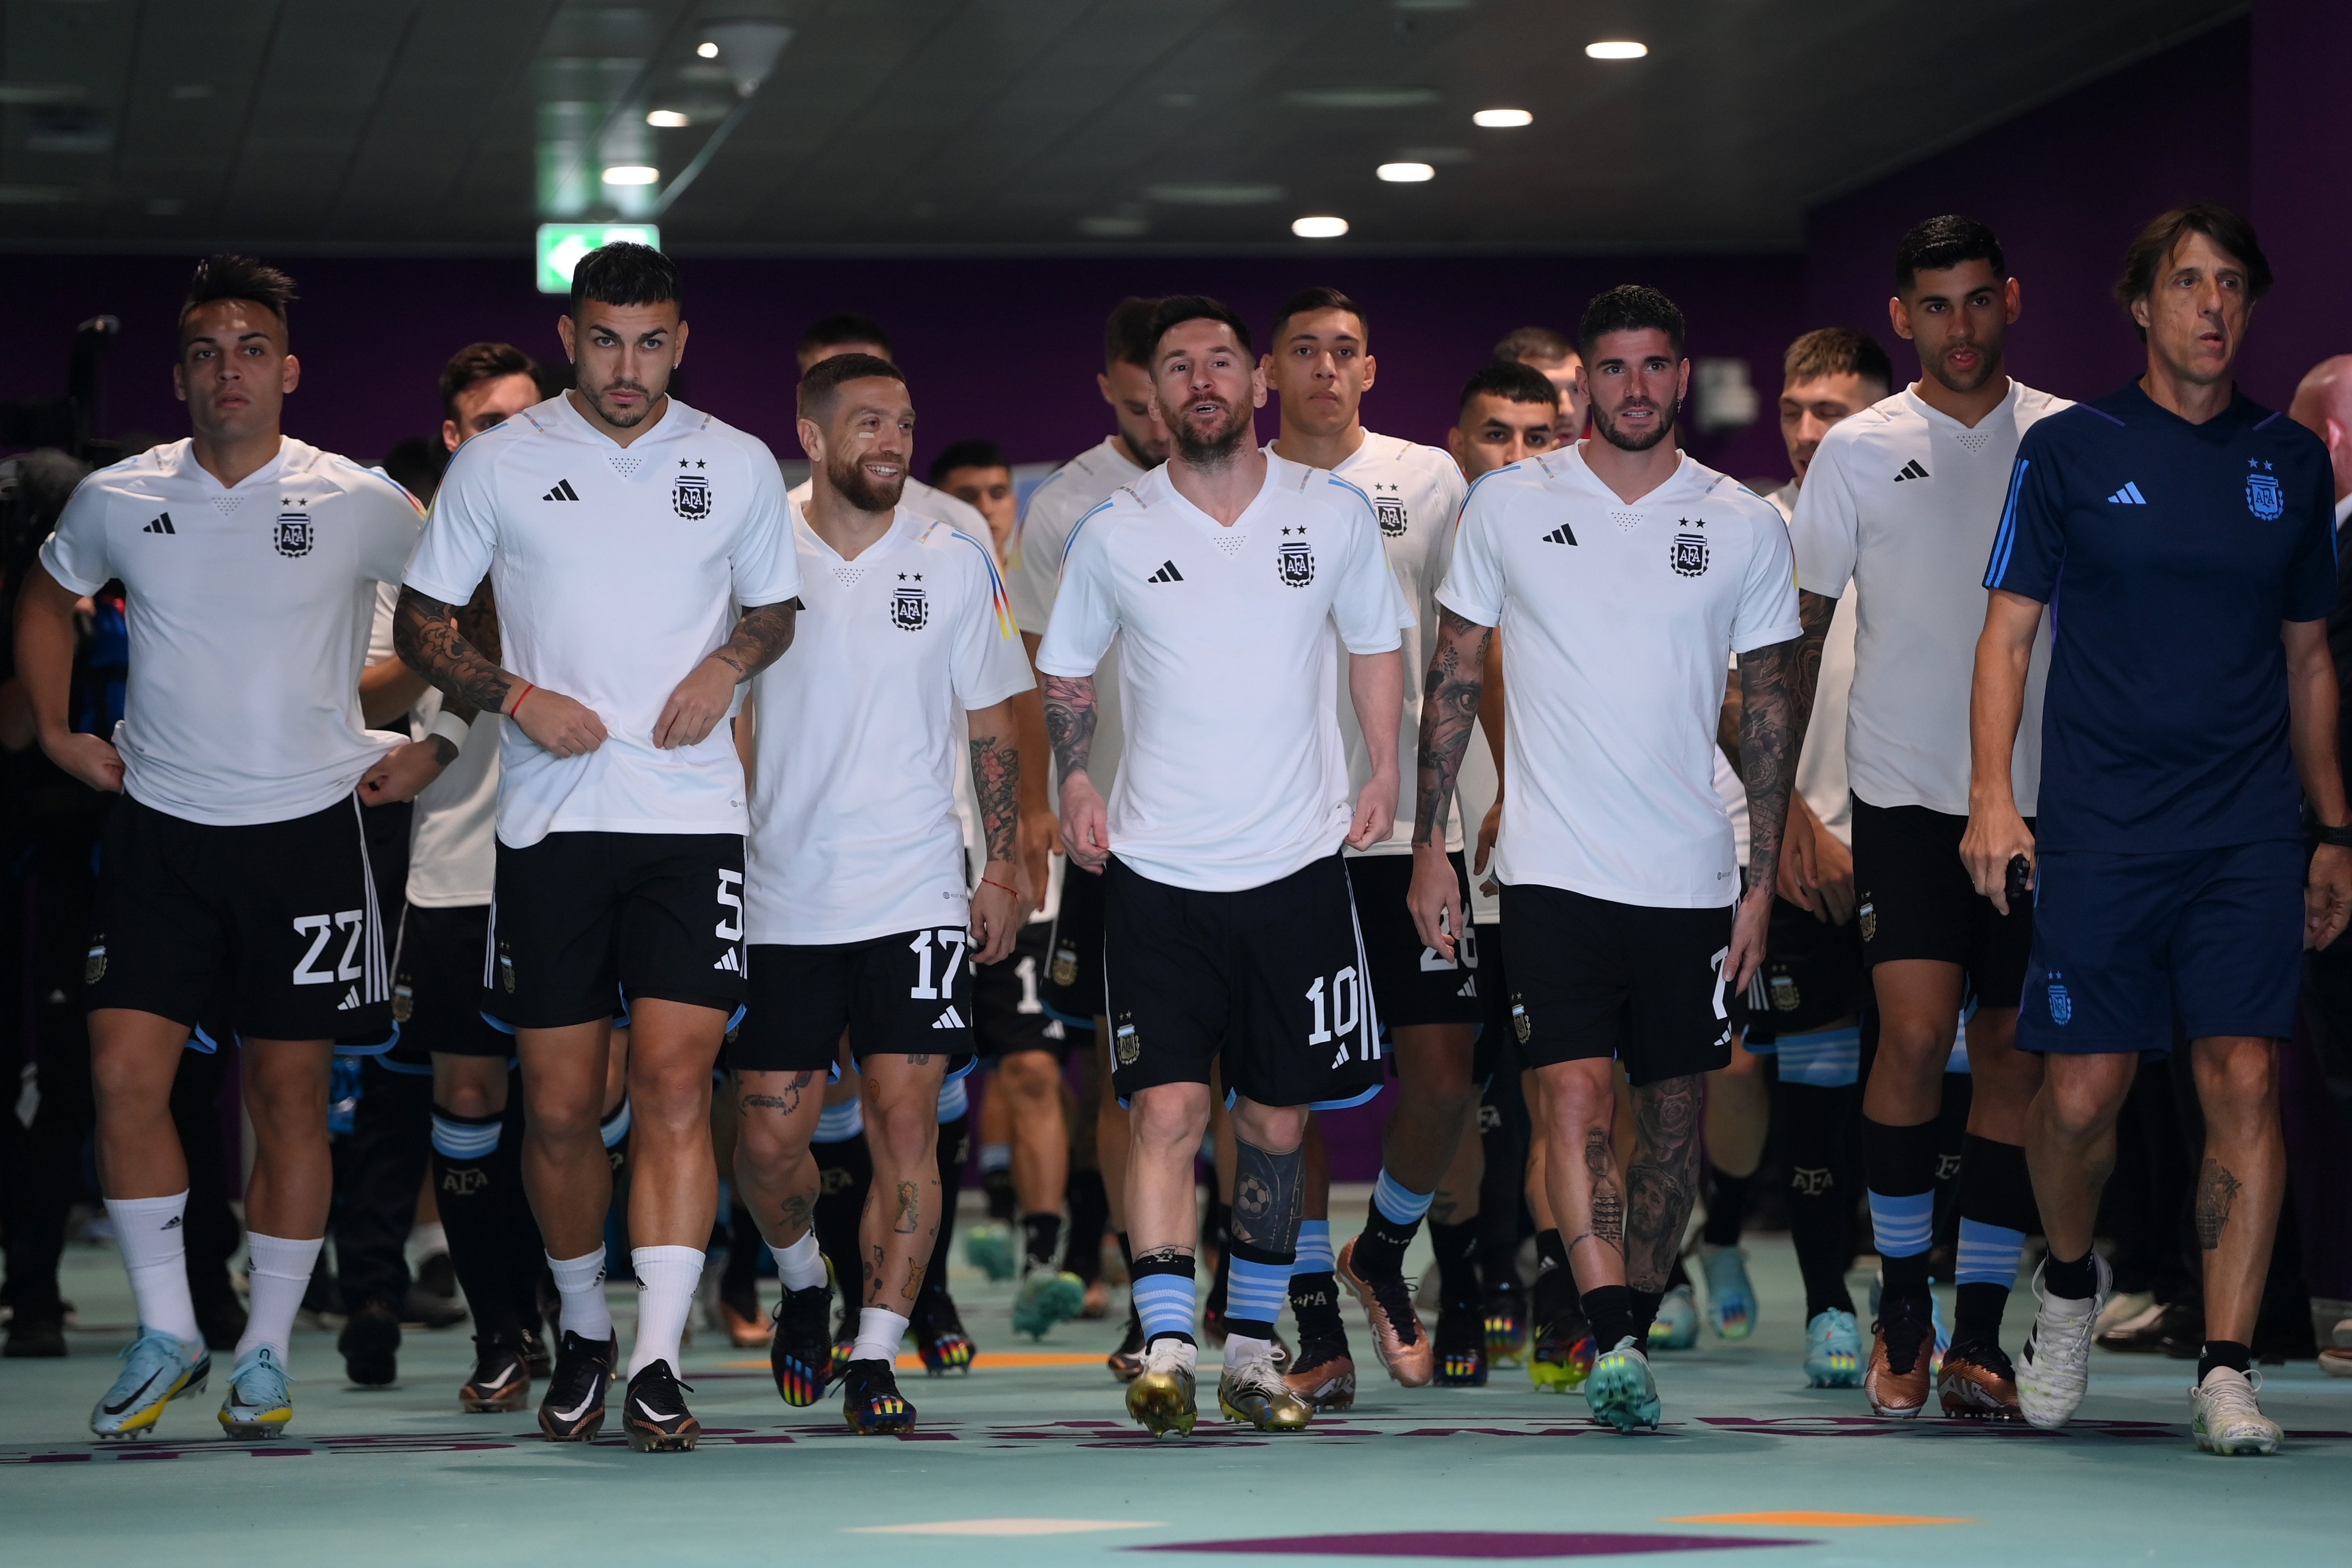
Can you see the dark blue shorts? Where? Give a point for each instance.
(2122, 944)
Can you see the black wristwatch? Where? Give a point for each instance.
(2340, 836)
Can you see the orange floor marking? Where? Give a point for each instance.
(1808, 1519)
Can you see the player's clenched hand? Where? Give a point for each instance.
(1489, 829)
(2327, 896)
(1996, 836)
(402, 773)
(1435, 899)
(557, 724)
(89, 758)
(697, 704)
(1040, 840)
(1086, 825)
(1375, 811)
(1749, 925)
(996, 913)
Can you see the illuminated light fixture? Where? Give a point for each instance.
(632, 174)
(668, 119)
(1406, 173)
(1502, 118)
(708, 50)
(1319, 227)
(1616, 49)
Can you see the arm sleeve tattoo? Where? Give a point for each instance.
(1070, 720)
(424, 633)
(1449, 706)
(1768, 752)
(996, 788)
(761, 637)
(1814, 612)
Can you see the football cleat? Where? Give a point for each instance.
(988, 1247)
(573, 1409)
(1254, 1391)
(1557, 1363)
(1977, 1383)
(939, 1339)
(369, 1345)
(1507, 1325)
(1046, 1297)
(1833, 1350)
(500, 1380)
(1901, 1367)
(2053, 1370)
(156, 1370)
(1098, 1301)
(871, 1403)
(740, 1314)
(1730, 1299)
(800, 1352)
(1128, 1360)
(1160, 1397)
(258, 1404)
(2224, 1418)
(654, 1412)
(1397, 1336)
(1676, 1325)
(1619, 1391)
(1323, 1373)
(1459, 1342)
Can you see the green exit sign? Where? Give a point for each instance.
(562, 246)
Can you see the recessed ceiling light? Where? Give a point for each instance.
(1321, 227)
(1616, 49)
(708, 50)
(1405, 173)
(1213, 193)
(631, 174)
(668, 119)
(1502, 118)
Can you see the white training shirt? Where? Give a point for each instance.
(860, 732)
(1821, 767)
(1902, 501)
(1416, 494)
(1055, 508)
(250, 608)
(618, 571)
(1616, 620)
(1236, 775)
(453, 854)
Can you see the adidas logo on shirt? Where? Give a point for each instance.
(162, 524)
(2128, 495)
(562, 492)
(1912, 470)
(1560, 536)
(949, 1020)
(1167, 573)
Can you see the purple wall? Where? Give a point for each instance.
(2065, 186)
(1006, 348)
(2302, 189)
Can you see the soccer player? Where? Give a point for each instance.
(620, 529)
(1563, 364)
(1504, 418)
(860, 915)
(235, 882)
(1622, 574)
(1073, 991)
(1320, 364)
(2189, 685)
(850, 333)
(1901, 500)
(977, 474)
(1228, 935)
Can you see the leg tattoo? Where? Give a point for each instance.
(1663, 1178)
(1269, 1197)
(2216, 1189)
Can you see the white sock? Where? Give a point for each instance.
(426, 1240)
(149, 1232)
(581, 1283)
(800, 1265)
(666, 1278)
(879, 1330)
(280, 1274)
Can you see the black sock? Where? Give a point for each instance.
(1900, 1162)
(1457, 1263)
(1216, 1227)
(1727, 1207)
(478, 1196)
(1315, 1302)
(844, 1172)
(1090, 1216)
(1996, 1192)
(1610, 1310)
(953, 1148)
(1041, 1238)
(744, 1249)
(1645, 1312)
(1555, 1285)
(2226, 1353)
(1675, 1276)
(2075, 1282)
(1820, 1209)
(998, 1187)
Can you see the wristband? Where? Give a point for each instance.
(451, 728)
(527, 689)
(992, 881)
(2340, 836)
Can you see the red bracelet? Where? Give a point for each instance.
(527, 689)
(992, 881)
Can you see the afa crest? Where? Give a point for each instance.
(2263, 496)
(292, 537)
(1786, 997)
(1388, 508)
(2061, 1005)
(1065, 966)
(1688, 553)
(1520, 1024)
(690, 497)
(1866, 917)
(93, 968)
(1294, 563)
(911, 608)
(1126, 1044)
(404, 1002)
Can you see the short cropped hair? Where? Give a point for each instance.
(2226, 227)
(478, 362)
(1510, 381)
(973, 453)
(1307, 299)
(625, 273)
(1178, 309)
(1535, 343)
(844, 327)
(1948, 241)
(1127, 336)
(820, 387)
(1629, 308)
(238, 278)
(1837, 351)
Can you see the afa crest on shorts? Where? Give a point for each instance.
(293, 534)
(1687, 554)
(2263, 496)
(910, 609)
(1126, 1044)
(2061, 1005)
(689, 498)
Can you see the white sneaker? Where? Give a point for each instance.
(2055, 1368)
(2224, 1418)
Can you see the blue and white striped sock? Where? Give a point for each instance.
(1257, 1287)
(839, 1124)
(1314, 1250)
(953, 1100)
(1901, 1227)
(1167, 1304)
(465, 1137)
(1988, 1253)
(1397, 1204)
(616, 1125)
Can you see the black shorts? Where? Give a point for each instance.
(437, 986)
(272, 930)
(1591, 978)
(581, 916)
(1007, 1008)
(1073, 991)
(1811, 976)
(1411, 982)
(1268, 981)
(1498, 1046)
(1913, 899)
(908, 994)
